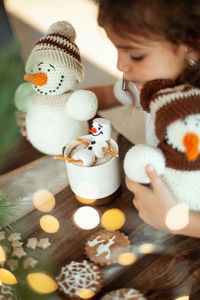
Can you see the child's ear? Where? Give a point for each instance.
(191, 53)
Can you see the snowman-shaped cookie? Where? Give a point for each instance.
(56, 112)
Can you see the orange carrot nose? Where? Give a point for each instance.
(37, 78)
(93, 130)
(191, 144)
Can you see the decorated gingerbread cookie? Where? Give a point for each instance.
(78, 278)
(104, 246)
(124, 294)
(7, 292)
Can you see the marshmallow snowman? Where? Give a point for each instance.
(56, 113)
(101, 132)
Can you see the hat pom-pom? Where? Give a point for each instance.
(150, 88)
(64, 28)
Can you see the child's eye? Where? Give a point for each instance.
(136, 58)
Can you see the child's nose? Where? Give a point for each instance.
(122, 63)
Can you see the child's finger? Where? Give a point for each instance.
(135, 203)
(134, 187)
(155, 180)
(23, 132)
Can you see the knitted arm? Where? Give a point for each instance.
(23, 96)
(82, 105)
(138, 157)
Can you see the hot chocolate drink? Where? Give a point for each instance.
(93, 165)
(97, 160)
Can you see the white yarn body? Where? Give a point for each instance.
(49, 125)
(184, 186)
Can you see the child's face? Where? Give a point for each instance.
(146, 60)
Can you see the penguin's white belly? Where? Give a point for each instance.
(50, 128)
(184, 186)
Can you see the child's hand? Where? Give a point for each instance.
(20, 117)
(152, 204)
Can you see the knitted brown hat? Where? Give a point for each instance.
(58, 47)
(168, 102)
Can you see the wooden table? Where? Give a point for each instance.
(171, 270)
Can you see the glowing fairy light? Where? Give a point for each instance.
(126, 259)
(49, 224)
(146, 248)
(177, 217)
(86, 217)
(113, 219)
(41, 283)
(44, 200)
(7, 277)
(2, 255)
(85, 293)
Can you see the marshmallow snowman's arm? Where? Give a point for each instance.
(82, 105)
(138, 157)
(23, 96)
(86, 156)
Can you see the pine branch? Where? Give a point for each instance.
(7, 210)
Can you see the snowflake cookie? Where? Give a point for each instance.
(7, 292)
(77, 276)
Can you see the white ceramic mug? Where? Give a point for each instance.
(95, 184)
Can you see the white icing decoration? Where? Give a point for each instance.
(7, 290)
(130, 294)
(78, 275)
(102, 247)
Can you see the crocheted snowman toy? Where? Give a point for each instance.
(56, 113)
(176, 111)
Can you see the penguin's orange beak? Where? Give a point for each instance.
(191, 144)
(37, 78)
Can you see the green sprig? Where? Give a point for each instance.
(7, 210)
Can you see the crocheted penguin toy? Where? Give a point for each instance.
(176, 111)
(56, 113)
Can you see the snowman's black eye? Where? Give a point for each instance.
(48, 70)
(99, 128)
(184, 121)
(39, 69)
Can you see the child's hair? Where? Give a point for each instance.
(177, 21)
